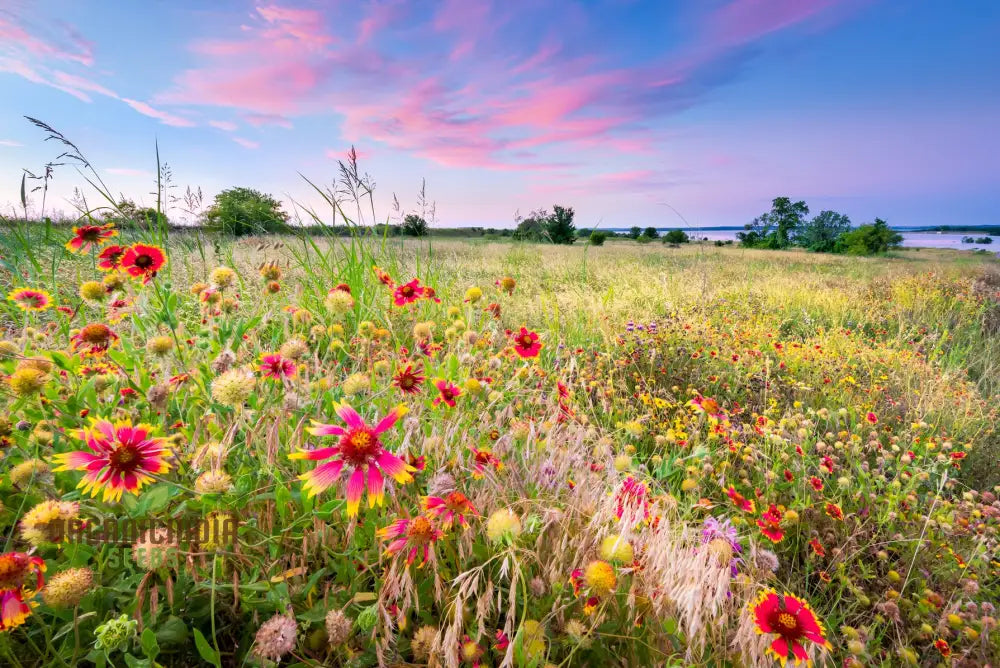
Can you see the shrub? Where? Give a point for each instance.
(872, 239)
(415, 226)
(241, 211)
(597, 238)
(651, 232)
(676, 237)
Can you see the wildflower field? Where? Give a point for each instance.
(357, 451)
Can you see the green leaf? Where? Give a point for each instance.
(173, 631)
(149, 645)
(205, 650)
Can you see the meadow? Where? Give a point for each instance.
(491, 453)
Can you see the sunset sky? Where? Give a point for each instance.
(618, 108)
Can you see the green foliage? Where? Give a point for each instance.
(532, 227)
(776, 228)
(676, 237)
(559, 225)
(873, 239)
(415, 226)
(597, 238)
(127, 215)
(241, 211)
(651, 232)
(820, 234)
(634, 232)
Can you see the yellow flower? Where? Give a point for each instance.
(473, 295)
(503, 523)
(160, 345)
(92, 291)
(599, 577)
(27, 381)
(222, 277)
(616, 549)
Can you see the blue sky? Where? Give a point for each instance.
(871, 107)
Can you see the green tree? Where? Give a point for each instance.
(559, 226)
(241, 211)
(776, 228)
(532, 227)
(821, 233)
(676, 237)
(597, 238)
(872, 239)
(651, 232)
(634, 232)
(415, 226)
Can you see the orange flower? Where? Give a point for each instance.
(87, 236)
(143, 261)
(792, 620)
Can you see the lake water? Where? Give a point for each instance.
(952, 240)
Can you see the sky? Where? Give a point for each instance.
(633, 112)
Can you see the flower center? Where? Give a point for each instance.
(124, 458)
(406, 290)
(95, 334)
(526, 341)
(359, 446)
(787, 623)
(420, 530)
(90, 234)
(143, 261)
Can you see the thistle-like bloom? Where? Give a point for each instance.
(30, 299)
(361, 451)
(408, 293)
(87, 236)
(143, 261)
(93, 340)
(409, 379)
(122, 458)
(448, 392)
(275, 366)
(110, 258)
(453, 507)
(723, 541)
(792, 620)
(526, 343)
(15, 567)
(770, 524)
(417, 535)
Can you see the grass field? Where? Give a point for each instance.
(618, 455)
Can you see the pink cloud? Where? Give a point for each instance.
(164, 117)
(246, 143)
(305, 26)
(62, 42)
(225, 126)
(257, 120)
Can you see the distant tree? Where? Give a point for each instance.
(776, 228)
(414, 226)
(583, 232)
(676, 237)
(532, 227)
(597, 238)
(969, 240)
(872, 239)
(560, 227)
(820, 234)
(651, 232)
(241, 211)
(984, 240)
(127, 214)
(635, 232)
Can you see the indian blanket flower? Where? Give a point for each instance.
(15, 567)
(383, 277)
(871, 418)
(448, 510)
(447, 392)
(407, 293)
(122, 458)
(93, 340)
(275, 366)
(942, 646)
(414, 535)
(793, 621)
(86, 237)
(526, 343)
(770, 524)
(48, 521)
(361, 451)
(409, 379)
(739, 500)
(110, 259)
(143, 261)
(30, 299)
(482, 459)
(834, 511)
(631, 498)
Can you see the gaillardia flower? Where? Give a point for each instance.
(359, 450)
(87, 236)
(408, 293)
(277, 367)
(30, 299)
(409, 379)
(453, 507)
(447, 392)
(122, 458)
(110, 258)
(93, 340)
(15, 567)
(526, 343)
(143, 261)
(417, 535)
(792, 620)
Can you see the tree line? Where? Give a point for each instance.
(787, 225)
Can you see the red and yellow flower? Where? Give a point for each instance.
(86, 237)
(482, 459)
(409, 379)
(447, 392)
(93, 340)
(30, 299)
(453, 507)
(15, 606)
(110, 258)
(415, 535)
(361, 451)
(793, 621)
(770, 524)
(143, 261)
(408, 293)
(526, 343)
(275, 366)
(122, 458)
